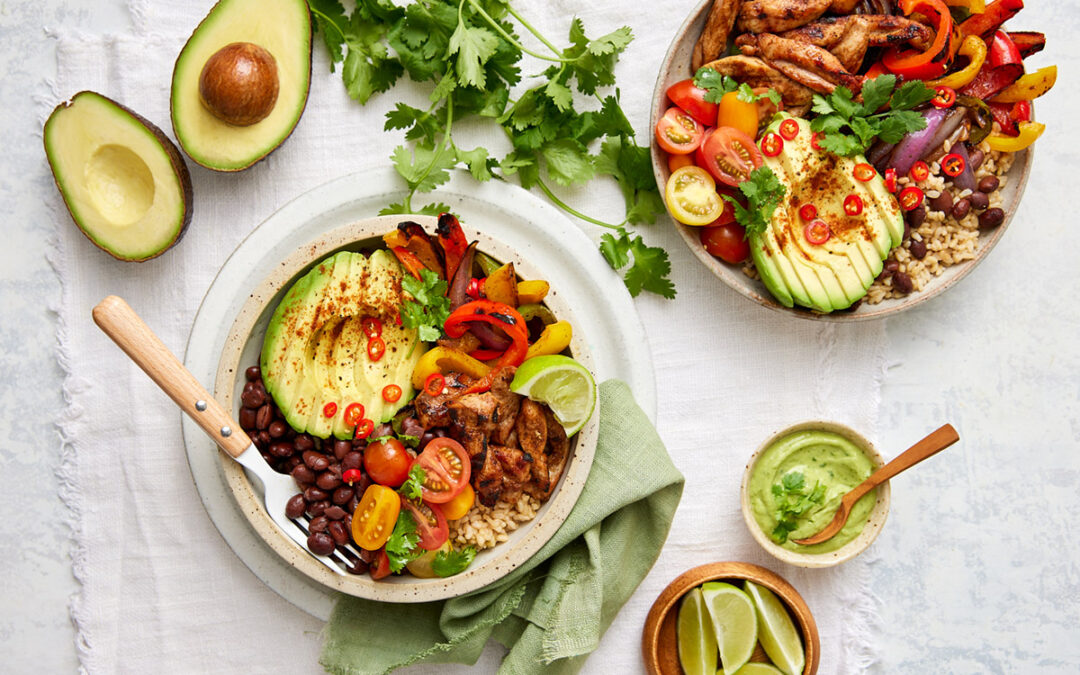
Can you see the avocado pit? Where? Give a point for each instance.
(239, 84)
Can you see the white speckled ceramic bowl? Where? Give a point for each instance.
(676, 67)
(242, 348)
(846, 552)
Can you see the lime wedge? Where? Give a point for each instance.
(779, 637)
(734, 621)
(755, 669)
(563, 384)
(697, 643)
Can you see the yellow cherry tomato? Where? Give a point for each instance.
(375, 516)
(741, 115)
(459, 505)
(691, 196)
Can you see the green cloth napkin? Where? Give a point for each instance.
(551, 611)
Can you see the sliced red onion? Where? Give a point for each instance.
(914, 145)
(966, 180)
(461, 279)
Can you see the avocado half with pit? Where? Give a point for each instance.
(240, 84)
(122, 179)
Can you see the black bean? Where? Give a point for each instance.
(262, 439)
(277, 429)
(295, 507)
(942, 202)
(304, 442)
(318, 524)
(314, 494)
(318, 508)
(302, 474)
(891, 266)
(248, 386)
(316, 460)
(291, 463)
(338, 533)
(988, 184)
(351, 506)
(342, 495)
(916, 216)
(253, 373)
(991, 218)
(367, 556)
(335, 513)
(902, 282)
(281, 449)
(264, 417)
(918, 249)
(321, 543)
(342, 448)
(353, 460)
(253, 398)
(961, 208)
(328, 480)
(975, 159)
(247, 419)
(357, 567)
(979, 201)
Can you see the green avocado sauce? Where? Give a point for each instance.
(822, 457)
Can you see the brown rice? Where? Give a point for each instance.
(484, 527)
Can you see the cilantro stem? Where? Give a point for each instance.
(407, 202)
(509, 38)
(329, 21)
(571, 210)
(528, 26)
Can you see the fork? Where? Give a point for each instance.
(120, 322)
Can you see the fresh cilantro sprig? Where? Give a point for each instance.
(470, 55)
(851, 126)
(429, 308)
(403, 546)
(449, 563)
(763, 192)
(716, 85)
(792, 502)
(413, 486)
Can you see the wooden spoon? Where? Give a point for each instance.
(934, 443)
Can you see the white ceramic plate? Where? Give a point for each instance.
(517, 218)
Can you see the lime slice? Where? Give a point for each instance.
(697, 643)
(734, 621)
(563, 384)
(776, 630)
(755, 669)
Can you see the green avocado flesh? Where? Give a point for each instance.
(124, 182)
(315, 351)
(835, 274)
(281, 27)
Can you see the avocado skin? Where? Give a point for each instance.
(303, 105)
(171, 151)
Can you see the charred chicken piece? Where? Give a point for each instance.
(805, 63)
(756, 73)
(433, 411)
(774, 16)
(714, 36)
(507, 405)
(848, 37)
(487, 475)
(532, 435)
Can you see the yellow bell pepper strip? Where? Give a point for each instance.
(446, 360)
(935, 61)
(1029, 131)
(995, 14)
(501, 285)
(1032, 85)
(975, 50)
(552, 340)
(972, 6)
(532, 292)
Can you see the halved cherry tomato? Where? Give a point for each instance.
(952, 165)
(677, 132)
(863, 172)
(376, 348)
(910, 198)
(817, 231)
(430, 524)
(853, 205)
(447, 469)
(807, 211)
(738, 114)
(434, 384)
(730, 155)
(330, 409)
(789, 129)
(815, 140)
(727, 242)
(691, 196)
(387, 462)
(945, 97)
(676, 162)
(354, 412)
(364, 429)
(460, 505)
(772, 144)
(391, 393)
(374, 518)
(380, 567)
(699, 154)
(890, 179)
(371, 326)
(691, 98)
(919, 171)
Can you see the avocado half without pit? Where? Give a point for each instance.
(123, 181)
(240, 84)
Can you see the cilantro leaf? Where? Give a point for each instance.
(330, 19)
(613, 42)
(763, 192)
(876, 92)
(477, 160)
(568, 161)
(792, 502)
(449, 563)
(838, 111)
(403, 544)
(425, 168)
(429, 308)
(647, 267)
(910, 94)
(412, 488)
(473, 46)
(714, 84)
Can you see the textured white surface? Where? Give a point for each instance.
(978, 566)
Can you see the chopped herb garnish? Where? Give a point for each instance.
(851, 126)
(429, 308)
(792, 501)
(449, 563)
(403, 545)
(763, 192)
(411, 488)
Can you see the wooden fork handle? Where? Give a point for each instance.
(934, 443)
(120, 322)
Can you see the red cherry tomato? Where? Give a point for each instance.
(387, 462)
(920, 171)
(890, 180)
(354, 412)
(853, 205)
(371, 326)
(772, 144)
(699, 154)
(431, 524)
(728, 214)
(380, 567)
(817, 231)
(730, 155)
(391, 393)
(863, 172)
(691, 98)
(953, 165)
(945, 97)
(330, 409)
(678, 133)
(376, 348)
(807, 211)
(727, 242)
(789, 129)
(447, 469)
(910, 198)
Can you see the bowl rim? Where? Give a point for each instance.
(670, 597)
(494, 563)
(874, 524)
(733, 276)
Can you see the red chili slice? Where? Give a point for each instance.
(475, 288)
(817, 231)
(807, 211)
(376, 348)
(853, 205)
(919, 171)
(771, 144)
(863, 172)
(890, 180)
(371, 326)
(910, 198)
(953, 165)
(789, 129)
(815, 140)
(330, 409)
(364, 429)
(945, 98)
(391, 393)
(354, 412)
(434, 384)
(351, 476)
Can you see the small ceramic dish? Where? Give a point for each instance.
(676, 67)
(849, 550)
(659, 643)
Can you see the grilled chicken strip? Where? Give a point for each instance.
(848, 37)
(432, 411)
(487, 475)
(507, 404)
(808, 65)
(532, 435)
(714, 37)
(774, 16)
(757, 73)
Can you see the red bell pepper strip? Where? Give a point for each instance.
(934, 62)
(452, 240)
(1002, 113)
(1021, 111)
(989, 21)
(1028, 42)
(1003, 50)
(409, 261)
(991, 81)
(485, 354)
(498, 314)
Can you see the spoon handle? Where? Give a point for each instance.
(934, 443)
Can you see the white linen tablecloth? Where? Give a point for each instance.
(162, 591)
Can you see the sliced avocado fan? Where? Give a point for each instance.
(123, 181)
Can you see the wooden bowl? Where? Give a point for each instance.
(242, 348)
(870, 531)
(658, 641)
(676, 67)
